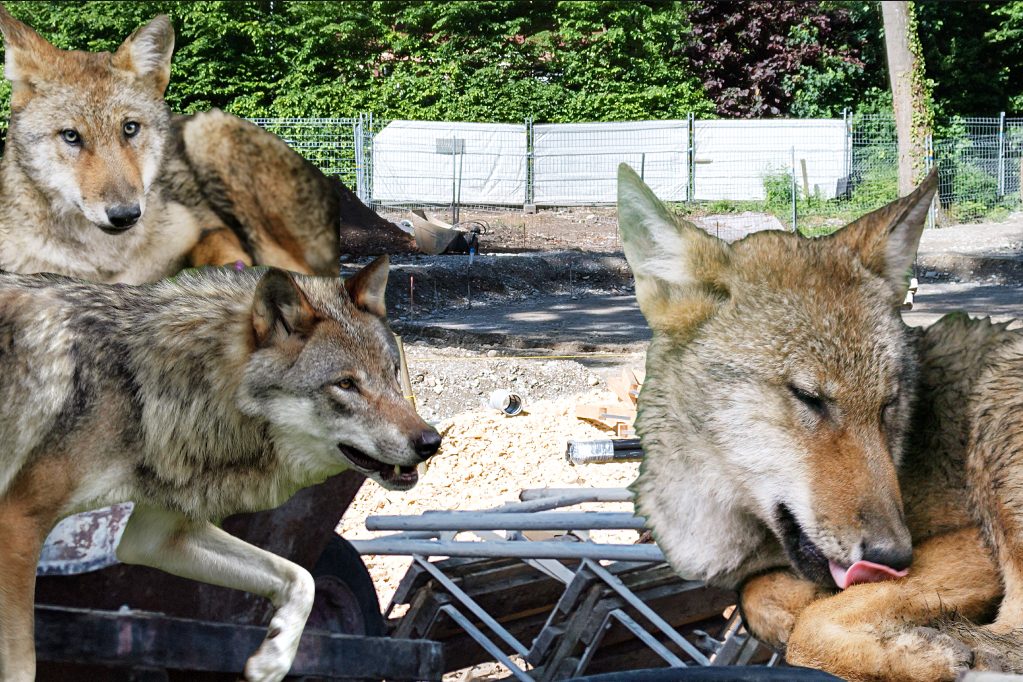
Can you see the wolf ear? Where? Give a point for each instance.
(367, 287)
(679, 268)
(147, 53)
(26, 52)
(280, 309)
(886, 240)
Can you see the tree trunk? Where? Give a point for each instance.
(910, 91)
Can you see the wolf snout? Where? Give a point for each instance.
(894, 555)
(123, 216)
(426, 443)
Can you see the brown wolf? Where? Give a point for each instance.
(802, 440)
(214, 393)
(98, 180)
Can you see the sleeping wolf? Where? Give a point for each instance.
(805, 445)
(215, 393)
(98, 181)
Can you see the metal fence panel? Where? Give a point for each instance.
(577, 163)
(432, 162)
(738, 160)
(329, 143)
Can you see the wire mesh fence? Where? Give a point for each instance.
(780, 173)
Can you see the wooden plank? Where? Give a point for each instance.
(150, 640)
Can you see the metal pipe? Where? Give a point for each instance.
(597, 494)
(473, 520)
(511, 549)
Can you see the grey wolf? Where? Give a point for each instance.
(214, 393)
(859, 482)
(99, 181)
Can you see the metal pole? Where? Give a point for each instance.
(691, 159)
(1001, 154)
(473, 520)
(793, 189)
(847, 149)
(453, 172)
(510, 549)
(929, 164)
(594, 494)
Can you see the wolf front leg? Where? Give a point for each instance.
(876, 631)
(771, 602)
(28, 511)
(201, 551)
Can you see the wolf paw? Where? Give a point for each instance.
(934, 651)
(270, 663)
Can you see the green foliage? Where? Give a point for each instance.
(778, 190)
(478, 61)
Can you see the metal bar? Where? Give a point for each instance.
(793, 189)
(469, 603)
(472, 520)
(488, 644)
(648, 639)
(625, 593)
(598, 494)
(511, 549)
(1001, 154)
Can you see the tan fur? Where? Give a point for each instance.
(207, 189)
(796, 425)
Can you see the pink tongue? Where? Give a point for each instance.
(863, 572)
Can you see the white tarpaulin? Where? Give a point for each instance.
(431, 161)
(577, 163)
(733, 158)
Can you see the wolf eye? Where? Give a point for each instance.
(131, 129)
(815, 403)
(71, 136)
(889, 407)
(347, 384)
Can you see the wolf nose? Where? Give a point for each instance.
(893, 556)
(426, 443)
(123, 216)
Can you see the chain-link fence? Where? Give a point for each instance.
(814, 174)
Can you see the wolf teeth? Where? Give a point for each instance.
(397, 470)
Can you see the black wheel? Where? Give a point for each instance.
(745, 673)
(346, 601)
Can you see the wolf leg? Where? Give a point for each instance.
(869, 632)
(771, 602)
(22, 541)
(28, 511)
(201, 551)
(219, 246)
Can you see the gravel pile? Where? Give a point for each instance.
(450, 381)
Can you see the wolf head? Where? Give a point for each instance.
(324, 371)
(779, 384)
(89, 128)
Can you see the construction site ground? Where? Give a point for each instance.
(548, 310)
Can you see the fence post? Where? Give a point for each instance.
(360, 181)
(847, 152)
(1001, 154)
(691, 159)
(928, 165)
(793, 189)
(527, 203)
